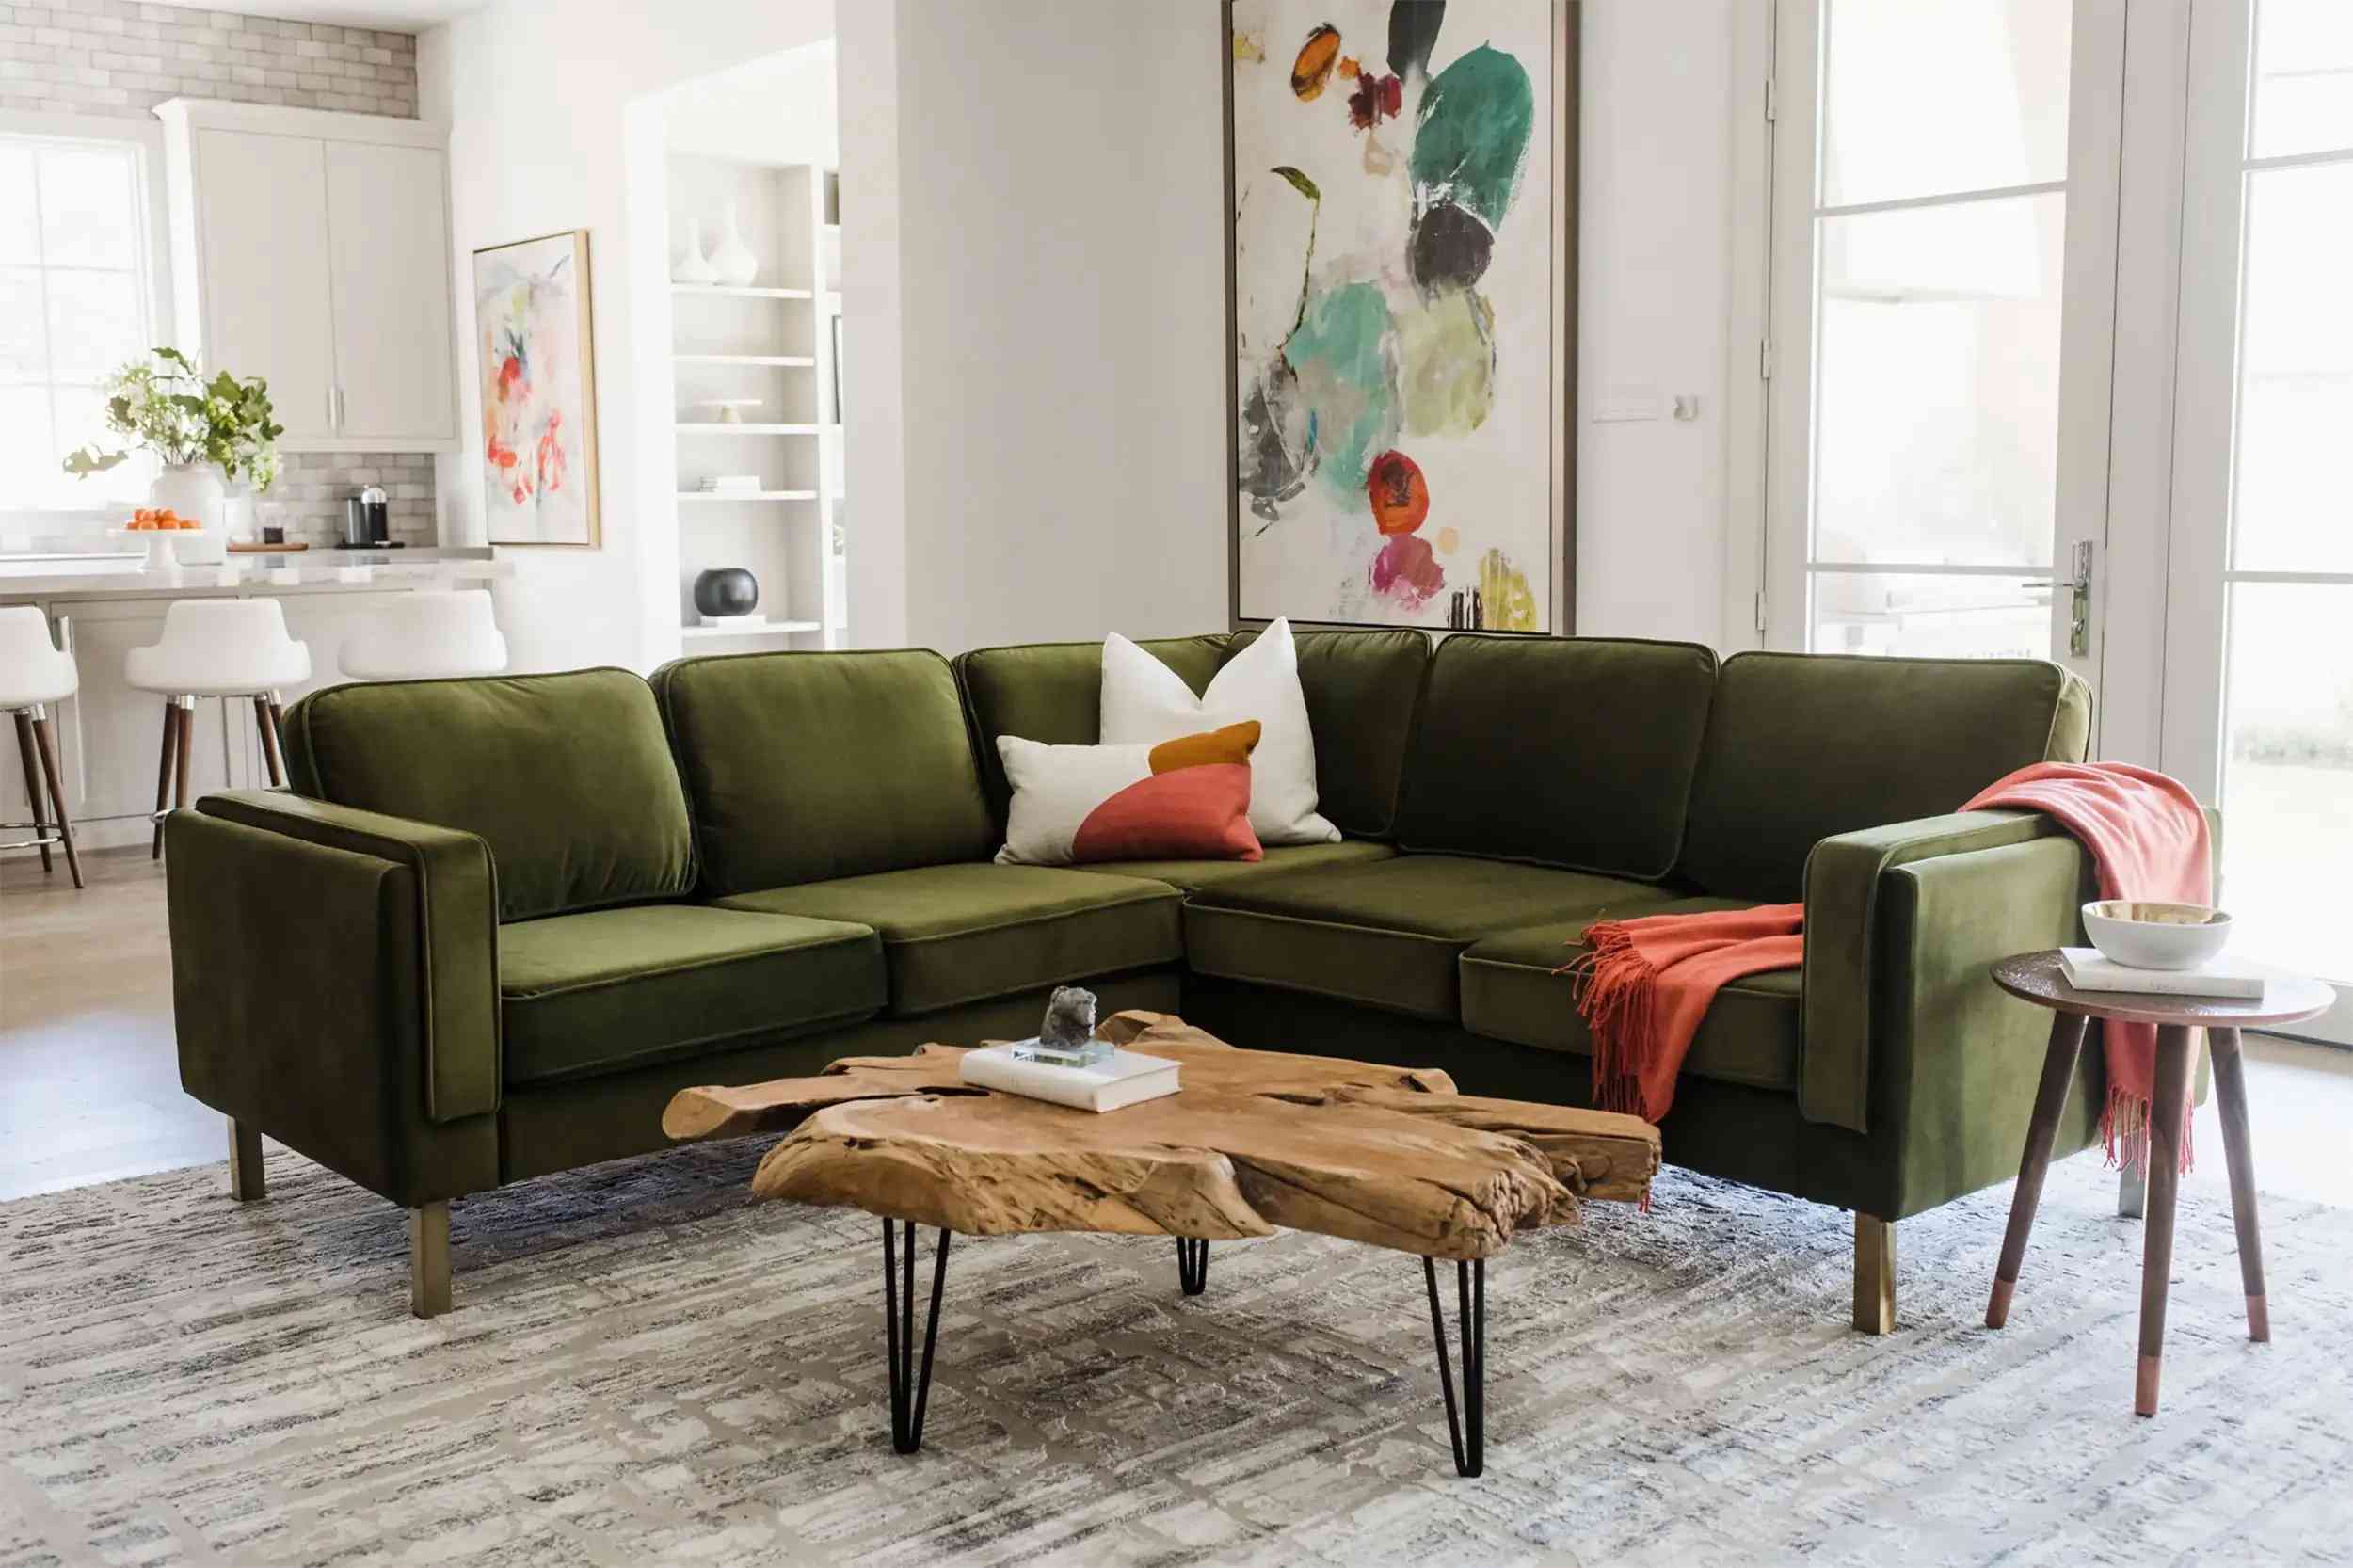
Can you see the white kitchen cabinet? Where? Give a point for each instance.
(312, 248)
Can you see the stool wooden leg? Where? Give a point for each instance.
(1874, 1274)
(163, 772)
(266, 720)
(246, 1181)
(2165, 1104)
(185, 757)
(45, 739)
(2238, 1150)
(2050, 1099)
(32, 783)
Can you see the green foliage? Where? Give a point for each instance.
(163, 403)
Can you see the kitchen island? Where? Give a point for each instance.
(101, 606)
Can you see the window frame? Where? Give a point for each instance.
(145, 137)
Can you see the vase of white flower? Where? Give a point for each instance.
(210, 435)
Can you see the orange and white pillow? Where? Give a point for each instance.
(1184, 799)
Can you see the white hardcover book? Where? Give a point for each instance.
(1127, 1078)
(2237, 979)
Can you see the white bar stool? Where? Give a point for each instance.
(426, 634)
(33, 674)
(223, 648)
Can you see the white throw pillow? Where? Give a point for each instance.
(1144, 702)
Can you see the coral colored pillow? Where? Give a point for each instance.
(1184, 799)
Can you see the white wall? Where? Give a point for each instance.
(1033, 300)
(535, 93)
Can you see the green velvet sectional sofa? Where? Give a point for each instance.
(496, 923)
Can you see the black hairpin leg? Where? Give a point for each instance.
(1192, 1265)
(1470, 1280)
(910, 1389)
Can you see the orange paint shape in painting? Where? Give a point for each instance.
(1313, 67)
(1400, 496)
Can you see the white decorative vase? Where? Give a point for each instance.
(693, 266)
(192, 490)
(736, 265)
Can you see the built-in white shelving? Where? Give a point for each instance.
(767, 347)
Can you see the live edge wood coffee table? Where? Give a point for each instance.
(1253, 1142)
(2036, 977)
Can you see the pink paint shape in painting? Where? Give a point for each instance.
(539, 409)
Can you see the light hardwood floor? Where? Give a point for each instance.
(89, 1082)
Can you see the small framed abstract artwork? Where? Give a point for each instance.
(538, 379)
(1402, 294)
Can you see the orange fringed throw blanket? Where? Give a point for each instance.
(1645, 983)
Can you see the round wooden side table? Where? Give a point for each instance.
(2036, 977)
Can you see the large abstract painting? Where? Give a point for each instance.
(538, 371)
(1402, 279)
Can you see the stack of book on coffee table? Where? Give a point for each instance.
(2226, 975)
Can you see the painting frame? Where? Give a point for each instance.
(583, 337)
(1563, 231)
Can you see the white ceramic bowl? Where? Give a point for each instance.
(2145, 935)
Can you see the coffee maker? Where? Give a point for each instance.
(368, 521)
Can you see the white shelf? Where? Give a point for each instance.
(774, 628)
(713, 427)
(747, 495)
(788, 361)
(730, 292)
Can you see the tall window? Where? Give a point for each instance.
(1935, 236)
(74, 304)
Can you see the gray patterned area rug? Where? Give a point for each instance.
(645, 1368)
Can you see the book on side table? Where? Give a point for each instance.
(2088, 970)
(1124, 1078)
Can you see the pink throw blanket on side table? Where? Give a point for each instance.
(2147, 838)
(1645, 984)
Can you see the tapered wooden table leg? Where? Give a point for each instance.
(2165, 1104)
(2050, 1100)
(2238, 1150)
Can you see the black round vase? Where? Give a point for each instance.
(727, 591)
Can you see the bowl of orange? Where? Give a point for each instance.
(163, 530)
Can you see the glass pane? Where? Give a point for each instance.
(1936, 384)
(2303, 84)
(28, 455)
(1929, 97)
(2294, 509)
(1927, 616)
(2287, 780)
(24, 354)
(17, 228)
(95, 322)
(89, 213)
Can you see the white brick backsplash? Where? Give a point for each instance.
(312, 485)
(122, 57)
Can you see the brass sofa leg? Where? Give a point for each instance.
(1874, 1274)
(246, 1183)
(428, 1260)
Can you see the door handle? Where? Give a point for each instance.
(2079, 599)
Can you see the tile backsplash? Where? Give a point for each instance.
(311, 487)
(123, 58)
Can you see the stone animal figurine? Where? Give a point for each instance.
(1070, 1024)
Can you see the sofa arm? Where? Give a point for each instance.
(1844, 879)
(324, 865)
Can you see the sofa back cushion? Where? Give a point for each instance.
(1574, 752)
(568, 778)
(1362, 691)
(802, 767)
(1052, 693)
(1802, 746)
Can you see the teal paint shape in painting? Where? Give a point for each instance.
(1470, 136)
(1344, 354)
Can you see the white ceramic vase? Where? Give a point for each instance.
(693, 266)
(736, 265)
(192, 490)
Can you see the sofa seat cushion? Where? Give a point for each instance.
(1386, 933)
(1511, 992)
(961, 933)
(610, 988)
(1189, 875)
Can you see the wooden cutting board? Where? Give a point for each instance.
(268, 549)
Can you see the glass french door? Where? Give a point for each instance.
(1945, 182)
(2258, 667)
